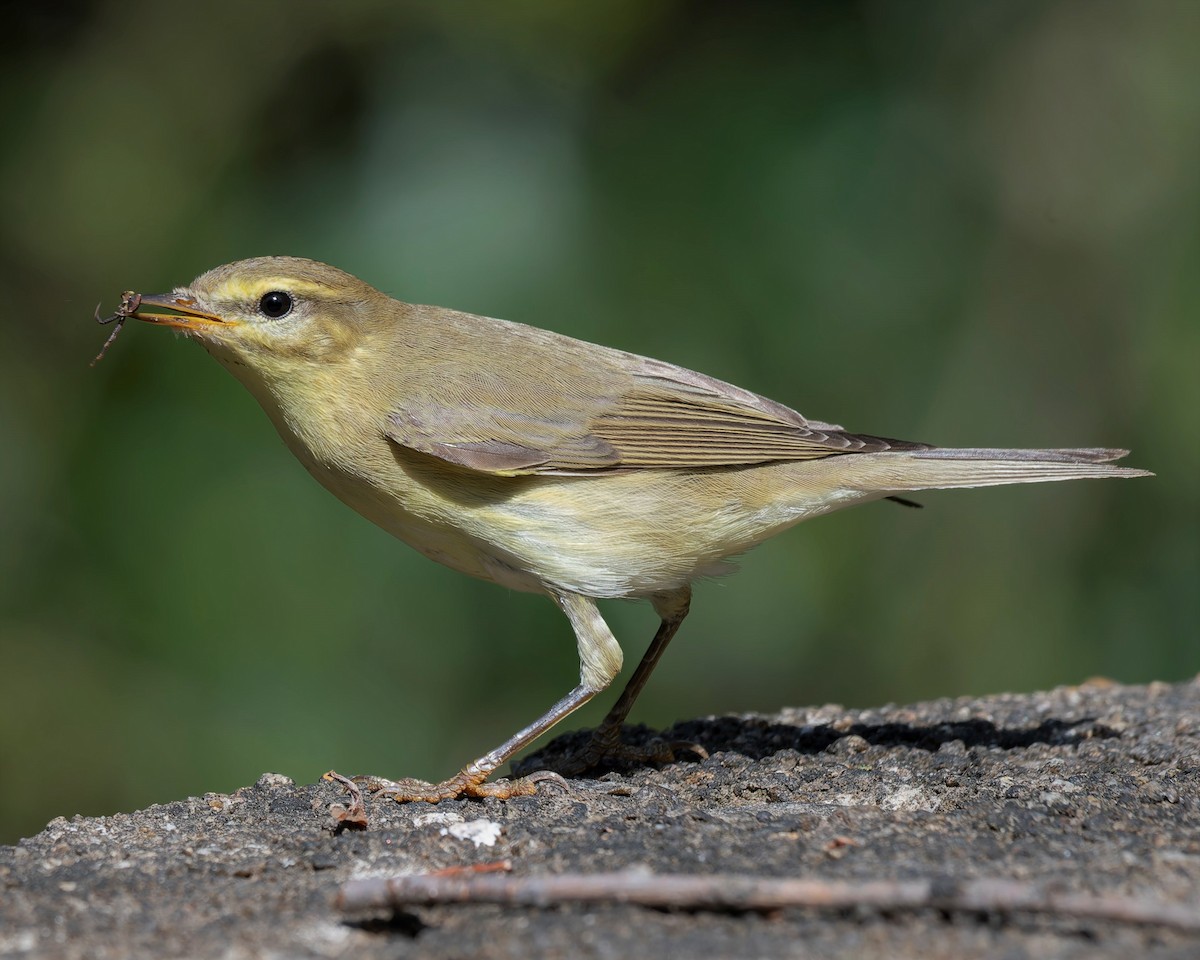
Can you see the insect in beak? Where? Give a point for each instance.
(130, 301)
(185, 317)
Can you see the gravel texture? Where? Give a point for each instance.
(1088, 790)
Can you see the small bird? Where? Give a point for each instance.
(543, 463)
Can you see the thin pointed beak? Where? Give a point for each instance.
(185, 317)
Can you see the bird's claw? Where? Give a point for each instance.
(412, 790)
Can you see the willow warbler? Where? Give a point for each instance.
(543, 463)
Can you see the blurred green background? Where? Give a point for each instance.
(971, 224)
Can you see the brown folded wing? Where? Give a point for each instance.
(658, 422)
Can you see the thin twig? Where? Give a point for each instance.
(495, 866)
(726, 892)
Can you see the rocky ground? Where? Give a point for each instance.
(903, 820)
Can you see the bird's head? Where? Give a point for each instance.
(272, 316)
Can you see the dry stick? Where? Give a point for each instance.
(495, 866)
(729, 892)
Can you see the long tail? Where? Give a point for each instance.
(945, 468)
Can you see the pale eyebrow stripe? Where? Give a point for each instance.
(255, 288)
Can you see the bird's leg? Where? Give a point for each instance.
(605, 742)
(471, 780)
(599, 663)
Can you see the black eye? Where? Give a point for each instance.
(275, 304)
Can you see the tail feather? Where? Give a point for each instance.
(945, 468)
(1072, 455)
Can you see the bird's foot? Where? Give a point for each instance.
(463, 784)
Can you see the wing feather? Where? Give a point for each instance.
(603, 410)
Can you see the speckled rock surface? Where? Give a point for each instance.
(1090, 789)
